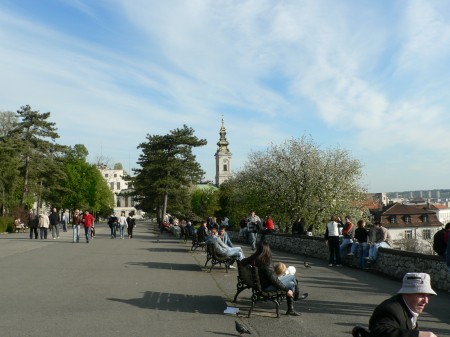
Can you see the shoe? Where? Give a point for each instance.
(54, 238)
(367, 258)
(58, 237)
(350, 254)
(292, 313)
(339, 265)
(330, 265)
(232, 267)
(297, 297)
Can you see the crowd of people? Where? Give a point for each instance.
(343, 238)
(394, 317)
(40, 225)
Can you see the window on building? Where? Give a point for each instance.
(225, 168)
(408, 234)
(111, 186)
(118, 202)
(126, 202)
(426, 234)
(118, 185)
(115, 175)
(393, 219)
(106, 175)
(407, 219)
(425, 218)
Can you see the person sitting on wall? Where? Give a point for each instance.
(382, 239)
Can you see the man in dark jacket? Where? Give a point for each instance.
(397, 316)
(439, 244)
(54, 223)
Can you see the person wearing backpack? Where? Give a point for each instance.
(439, 241)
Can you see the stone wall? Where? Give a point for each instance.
(390, 262)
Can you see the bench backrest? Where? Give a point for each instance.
(245, 274)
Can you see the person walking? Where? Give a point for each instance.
(332, 240)
(76, 222)
(33, 223)
(253, 225)
(44, 223)
(113, 223)
(65, 221)
(122, 224)
(54, 223)
(88, 221)
(131, 223)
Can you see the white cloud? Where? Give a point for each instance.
(271, 67)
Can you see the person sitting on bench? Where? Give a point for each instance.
(222, 248)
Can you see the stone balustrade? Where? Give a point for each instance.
(391, 262)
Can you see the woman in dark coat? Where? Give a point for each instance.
(262, 259)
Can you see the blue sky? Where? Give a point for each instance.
(368, 76)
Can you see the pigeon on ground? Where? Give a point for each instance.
(241, 328)
(306, 264)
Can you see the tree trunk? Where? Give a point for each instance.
(25, 181)
(166, 197)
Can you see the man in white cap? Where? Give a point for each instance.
(397, 316)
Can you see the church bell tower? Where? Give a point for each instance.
(223, 158)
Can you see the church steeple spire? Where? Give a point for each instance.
(223, 142)
(223, 157)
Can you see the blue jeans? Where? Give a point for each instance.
(288, 280)
(121, 230)
(235, 252)
(343, 247)
(373, 250)
(43, 232)
(252, 239)
(113, 231)
(362, 249)
(87, 231)
(76, 233)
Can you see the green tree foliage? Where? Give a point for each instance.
(84, 186)
(35, 140)
(205, 201)
(118, 166)
(294, 179)
(10, 163)
(168, 168)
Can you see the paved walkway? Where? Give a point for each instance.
(153, 285)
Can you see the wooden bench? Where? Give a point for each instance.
(196, 243)
(213, 257)
(19, 227)
(248, 278)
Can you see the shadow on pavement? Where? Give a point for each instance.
(167, 250)
(213, 305)
(170, 266)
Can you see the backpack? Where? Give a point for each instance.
(439, 245)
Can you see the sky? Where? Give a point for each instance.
(371, 77)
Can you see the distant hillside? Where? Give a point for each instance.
(426, 194)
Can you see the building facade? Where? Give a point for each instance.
(223, 158)
(123, 201)
(409, 222)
